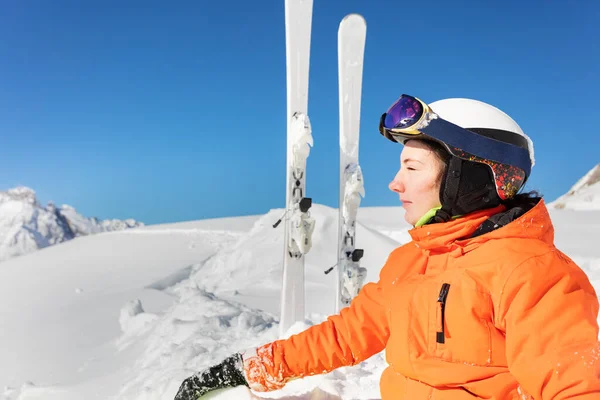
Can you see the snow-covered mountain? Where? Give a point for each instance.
(26, 225)
(584, 195)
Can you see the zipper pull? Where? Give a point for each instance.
(440, 337)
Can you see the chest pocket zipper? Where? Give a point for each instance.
(443, 296)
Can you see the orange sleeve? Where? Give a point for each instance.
(549, 313)
(358, 332)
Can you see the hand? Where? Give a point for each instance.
(229, 373)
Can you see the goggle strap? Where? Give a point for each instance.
(484, 147)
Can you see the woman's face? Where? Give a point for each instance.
(417, 181)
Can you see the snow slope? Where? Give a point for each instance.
(130, 314)
(26, 226)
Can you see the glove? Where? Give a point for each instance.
(229, 373)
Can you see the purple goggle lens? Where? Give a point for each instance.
(406, 111)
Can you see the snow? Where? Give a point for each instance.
(130, 314)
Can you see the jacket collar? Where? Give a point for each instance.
(535, 223)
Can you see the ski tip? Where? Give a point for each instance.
(353, 25)
(353, 18)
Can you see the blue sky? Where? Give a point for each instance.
(172, 111)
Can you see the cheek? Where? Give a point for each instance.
(428, 188)
(426, 185)
(435, 186)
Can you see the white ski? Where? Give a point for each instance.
(351, 46)
(298, 223)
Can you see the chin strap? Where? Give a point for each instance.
(441, 215)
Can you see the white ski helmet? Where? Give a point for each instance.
(472, 181)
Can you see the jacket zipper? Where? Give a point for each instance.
(440, 337)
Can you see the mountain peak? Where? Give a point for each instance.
(19, 193)
(26, 226)
(589, 179)
(583, 195)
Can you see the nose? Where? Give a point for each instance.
(396, 184)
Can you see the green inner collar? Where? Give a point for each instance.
(428, 215)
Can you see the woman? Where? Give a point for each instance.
(479, 305)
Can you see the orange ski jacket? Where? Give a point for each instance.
(503, 315)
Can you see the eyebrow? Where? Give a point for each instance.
(411, 159)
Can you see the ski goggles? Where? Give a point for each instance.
(411, 118)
